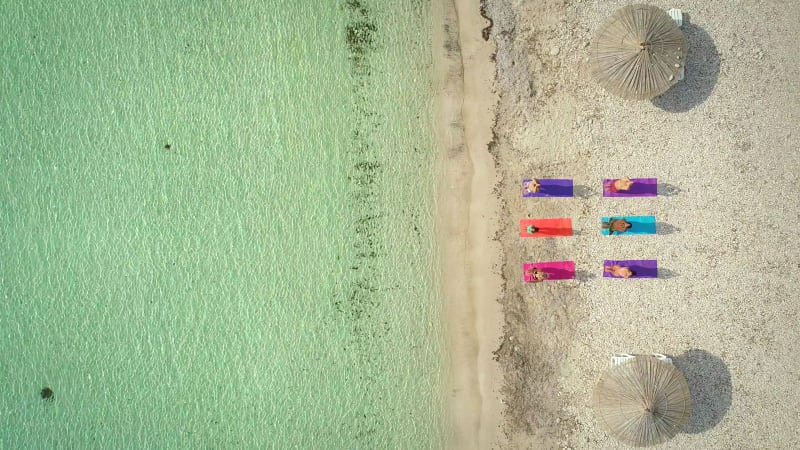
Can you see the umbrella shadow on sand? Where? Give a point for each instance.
(710, 386)
(702, 72)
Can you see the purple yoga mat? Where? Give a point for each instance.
(549, 188)
(641, 187)
(644, 268)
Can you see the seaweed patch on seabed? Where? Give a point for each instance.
(363, 175)
(361, 300)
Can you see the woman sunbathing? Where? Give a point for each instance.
(617, 225)
(537, 275)
(533, 186)
(620, 184)
(619, 271)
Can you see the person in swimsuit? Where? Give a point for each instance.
(533, 186)
(617, 225)
(620, 184)
(619, 271)
(537, 275)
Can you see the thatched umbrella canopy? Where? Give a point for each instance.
(642, 402)
(638, 53)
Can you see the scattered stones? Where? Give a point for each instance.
(555, 51)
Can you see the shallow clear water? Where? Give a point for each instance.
(269, 280)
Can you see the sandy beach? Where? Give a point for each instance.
(723, 147)
(467, 209)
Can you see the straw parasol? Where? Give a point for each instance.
(638, 53)
(642, 402)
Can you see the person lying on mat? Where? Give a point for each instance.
(537, 275)
(619, 271)
(533, 186)
(531, 229)
(616, 225)
(620, 184)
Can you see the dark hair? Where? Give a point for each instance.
(532, 270)
(633, 274)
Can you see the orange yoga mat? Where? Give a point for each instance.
(547, 227)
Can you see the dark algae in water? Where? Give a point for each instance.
(46, 394)
(360, 36)
(366, 298)
(357, 7)
(361, 302)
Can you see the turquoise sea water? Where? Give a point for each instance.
(267, 281)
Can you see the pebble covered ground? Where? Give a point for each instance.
(723, 145)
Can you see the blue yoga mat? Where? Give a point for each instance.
(639, 225)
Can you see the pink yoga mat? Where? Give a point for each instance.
(558, 270)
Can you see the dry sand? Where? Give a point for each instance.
(467, 206)
(724, 147)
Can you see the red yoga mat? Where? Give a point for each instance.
(547, 227)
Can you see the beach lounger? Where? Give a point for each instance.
(549, 188)
(677, 16)
(557, 270)
(642, 268)
(641, 187)
(622, 358)
(639, 225)
(547, 227)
